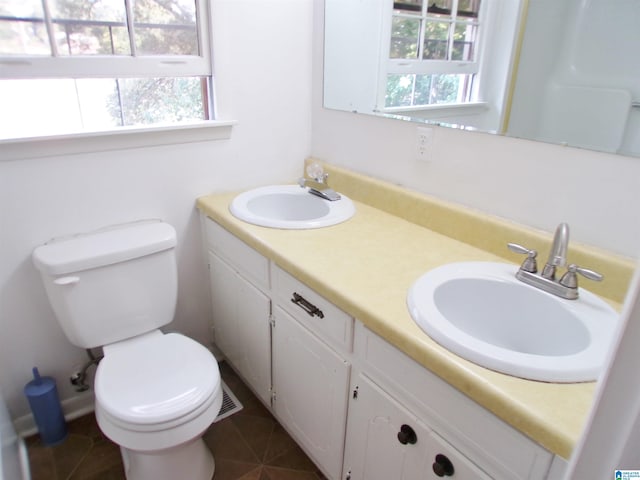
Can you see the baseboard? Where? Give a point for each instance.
(72, 408)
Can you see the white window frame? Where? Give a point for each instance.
(119, 66)
(419, 66)
(115, 66)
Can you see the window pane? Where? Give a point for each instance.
(94, 100)
(74, 39)
(59, 106)
(446, 89)
(464, 37)
(408, 6)
(90, 27)
(55, 106)
(404, 37)
(468, 8)
(416, 90)
(99, 10)
(159, 100)
(423, 91)
(166, 27)
(439, 8)
(22, 29)
(399, 90)
(436, 41)
(38, 107)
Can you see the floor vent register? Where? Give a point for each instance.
(230, 403)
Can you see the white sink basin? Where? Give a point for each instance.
(481, 312)
(289, 207)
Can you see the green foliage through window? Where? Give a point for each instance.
(412, 90)
(144, 101)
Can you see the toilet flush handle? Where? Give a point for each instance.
(66, 280)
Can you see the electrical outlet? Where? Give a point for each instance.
(424, 144)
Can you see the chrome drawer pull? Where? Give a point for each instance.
(307, 306)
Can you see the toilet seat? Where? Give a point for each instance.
(156, 381)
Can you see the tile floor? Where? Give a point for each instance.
(249, 445)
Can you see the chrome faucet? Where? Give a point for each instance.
(318, 186)
(558, 253)
(567, 286)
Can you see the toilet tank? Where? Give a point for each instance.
(111, 284)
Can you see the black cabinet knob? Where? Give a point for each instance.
(442, 467)
(407, 435)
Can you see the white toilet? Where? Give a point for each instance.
(155, 393)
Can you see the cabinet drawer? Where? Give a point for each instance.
(328, 321)
(241, 256)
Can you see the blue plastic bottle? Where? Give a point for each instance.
(45, 405)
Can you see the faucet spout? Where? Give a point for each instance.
(558, 253)
(567, 287)
(320, 188)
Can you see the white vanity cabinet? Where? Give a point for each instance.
(358, 406)
(239, 278)
(311, 342)
(294, 356)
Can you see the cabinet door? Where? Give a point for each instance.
(385, 441)
(241, 325)
(310, 382)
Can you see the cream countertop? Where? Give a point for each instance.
(366, 265)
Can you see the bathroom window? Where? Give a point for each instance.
(69, 66)
(433, 53)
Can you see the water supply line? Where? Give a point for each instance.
(78, 379)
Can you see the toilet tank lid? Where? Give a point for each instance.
(106, 246)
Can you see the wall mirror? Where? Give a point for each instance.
(560, 72)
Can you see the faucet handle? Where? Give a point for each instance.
(570, 279)
(529, 264)
(316, 172)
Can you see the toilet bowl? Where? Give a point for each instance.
(155, 393)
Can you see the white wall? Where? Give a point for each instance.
(528, 182)
(263, 80)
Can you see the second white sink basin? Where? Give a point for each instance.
(289, 207)
(480, 311)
